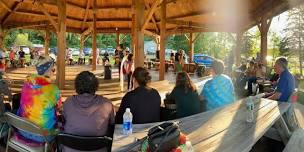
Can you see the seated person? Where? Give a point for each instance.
(40, 100)
(143, 101)
(286, 81)
(219, 90)
(87, 114)
(251, 76)
(185, 96)
(4, 90)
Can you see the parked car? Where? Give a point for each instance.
(203, 59)
(87, 51)
(111, 51)
(75, 52)
(53, 50)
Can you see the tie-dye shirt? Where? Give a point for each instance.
(218, 92)
(38, 103)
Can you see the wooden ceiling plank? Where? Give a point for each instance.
(8, 14)
(48, 16)
(150, 13)
(25, 24)
(5, 6)
(86, 14)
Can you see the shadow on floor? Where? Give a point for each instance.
(267, 145)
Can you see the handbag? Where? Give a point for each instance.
(164, 137)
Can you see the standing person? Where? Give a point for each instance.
(177, 65)
(185, 95)
(251, 76)
(88, 114)
(218, 91)
(172, 57)
(12, 58)
(285, 83)
(40, 100)
(81, 58)
(22, 57)
(32, 56)
(128, 68)
(143, 101)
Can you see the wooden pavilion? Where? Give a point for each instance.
(157, 18)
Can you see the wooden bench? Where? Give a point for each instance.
(296, 142)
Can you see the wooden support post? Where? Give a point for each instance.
(237, 52)
(117, 38)
(191, 47)
(94, 59)
(46, 42)
(162, 40)
(61, 42)
(133, 27)
(2, 35)
(82, 40)
(264, 28)
(138, 33)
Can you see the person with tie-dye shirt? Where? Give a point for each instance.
(218, 91)
(40, 100)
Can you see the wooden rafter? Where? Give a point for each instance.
(8, 14)
(26, 24)
(150, 13)
(5, 6)
(88, 31)
(86, 14)
(187, 37)
(150, 33)
(153, 18)
(197, 36)
(49, 17)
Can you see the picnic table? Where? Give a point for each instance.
(224, 129)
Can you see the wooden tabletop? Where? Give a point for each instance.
(224, 129)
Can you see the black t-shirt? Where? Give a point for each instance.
(144, 104)
(21, 54)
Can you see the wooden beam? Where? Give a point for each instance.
(86, 14)
(113, 30)
(187, 37)
(48, 16)
(88, 31)
(153, 19)
(5, 6)
(94, 47)
(47, 42)
(191, 46)
(25, 24)
(150, 13)
(150, 33)
(8, 14)
(162, 40)
(139, 34)
(39, 14)
(61, 43)
(196, 37)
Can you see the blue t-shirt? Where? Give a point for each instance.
(286, 85)
(218, 92)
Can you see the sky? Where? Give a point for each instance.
(279, 23)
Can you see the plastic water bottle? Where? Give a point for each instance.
(189, 147)
(127, 122)
(250, 109)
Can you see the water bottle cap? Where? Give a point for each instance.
(128, 110)
(188, 143)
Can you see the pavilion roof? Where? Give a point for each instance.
(116, 15)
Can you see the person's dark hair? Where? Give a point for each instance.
(130, 56)
(183, 80)
(142, 76)
(86, 82)
(218, 66)
(251, 62)
(121, 46)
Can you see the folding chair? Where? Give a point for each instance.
(16, 122)
(83, 143)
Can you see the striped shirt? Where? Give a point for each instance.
(218, 92)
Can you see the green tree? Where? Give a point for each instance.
(295, 33)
